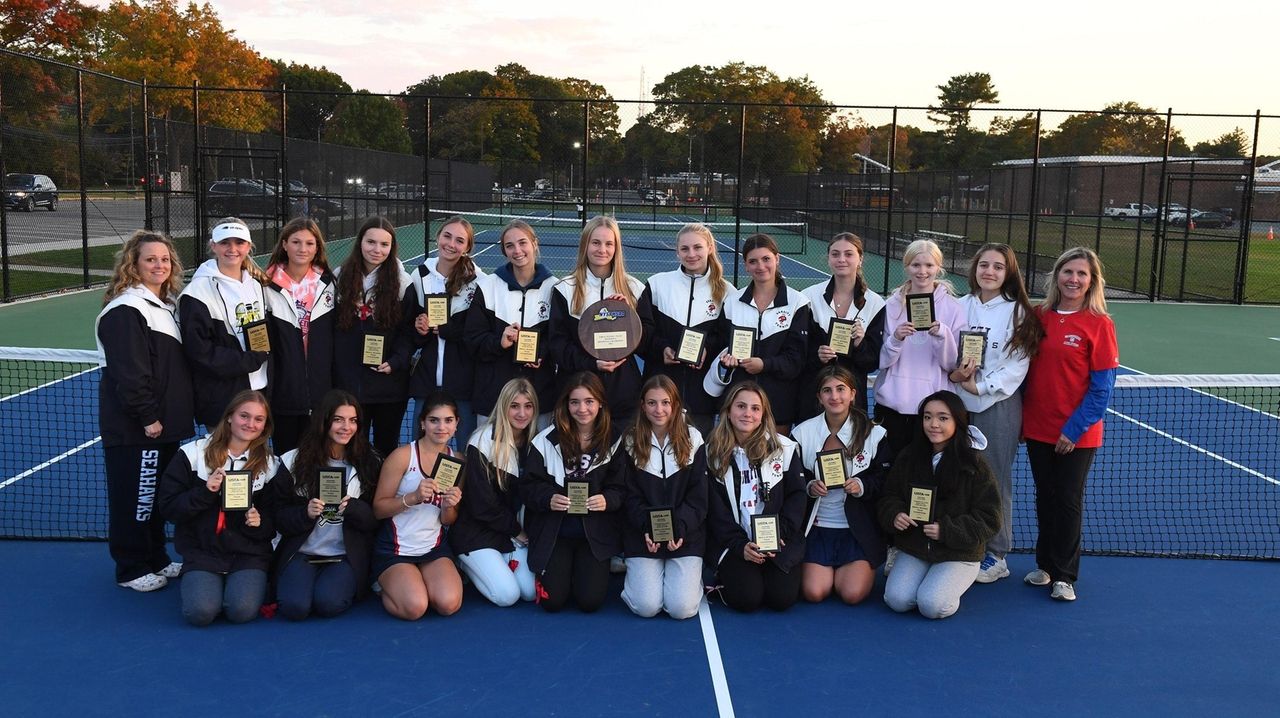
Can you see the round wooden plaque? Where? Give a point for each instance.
(610, 330)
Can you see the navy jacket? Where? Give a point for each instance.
(660, 482)
(301, 378)
(500, 300)
(671, 302)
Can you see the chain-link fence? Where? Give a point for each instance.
(1170, 222)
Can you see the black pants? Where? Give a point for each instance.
(1059, 507)
(288, 428)
(385, 420)
(573, 571)
(901, 429)
(746, 586)
(135, 529)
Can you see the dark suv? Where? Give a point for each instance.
(241, 198)
(26, 192)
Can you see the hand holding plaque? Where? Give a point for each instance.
(742, 343)
(920, 311)
(331, 487)
(764, 533)
(610, 330)
(920, 508)
(692, 343)
(528, 346)
(237, 491)
(437, 309)
(661, 526)
(973, 345)
(373, 350)
(829, 466)
(842, 331)
(579, 492)
(256, 337)
(447, 471)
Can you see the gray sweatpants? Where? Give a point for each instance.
(1002, 424)
(934, 588)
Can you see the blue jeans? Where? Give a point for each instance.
(327, 588)
(239, 594)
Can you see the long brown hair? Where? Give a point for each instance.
(861, 424)
(386, 288)
(715, 270)
(216, 452)
(764, 241)
(859, 281)
(314, 446)
(125, 273)
(677, 428)
(1027, 330)
(618, 269)
(759, 445)
(280, 257)
(566, 427)
(464, 270)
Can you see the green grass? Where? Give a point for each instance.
(23, 283)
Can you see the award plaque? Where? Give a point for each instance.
(331, 487)
(437, 309)
(742, 343)
(610, 330)
(842, 336)
(662, 527)
(920, 311)
(829, 466)
(528, 346)
(921, 506)
(237, 491)
(256, 337)
(764, 533)
(578, 493)
(374, 345)
(447, 471)
(973, 345)
(692, 343)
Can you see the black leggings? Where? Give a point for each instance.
(385, 420)
(288, 428)
(1059, 507)
(900, 429)
(574, 571)
(745, 586)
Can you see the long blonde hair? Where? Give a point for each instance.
(125, 273)
(1095, 298)
(918, 247)
(759, 445)
(506, 438)
(215, 452)
(618, 270)
(715, 270)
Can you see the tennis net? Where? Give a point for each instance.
(1190, 466)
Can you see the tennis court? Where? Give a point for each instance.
(1191, 470)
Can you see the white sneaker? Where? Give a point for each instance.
(1062, 591)
(147, 583)
(1036, 578)
(889, 559)
(992, 569)
(173, 570)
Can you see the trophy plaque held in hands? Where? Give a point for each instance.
(609, 330)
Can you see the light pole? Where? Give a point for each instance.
(577, 146)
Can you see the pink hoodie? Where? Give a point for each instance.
(919, 365)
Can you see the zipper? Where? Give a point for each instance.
(688, 320)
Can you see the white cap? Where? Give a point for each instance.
(230, 230)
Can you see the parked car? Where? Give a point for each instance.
(654, 196)
(1202, 220)
(241, 198)
(28, 191)
(1169, 210)
(1132, 210)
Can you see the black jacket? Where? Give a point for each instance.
(544, 475)
(488, 516)
(622, 385)
(864, 359)
(671, 302)
(186, 501)
(301, 378)
(145, 377)
(349, 371)
(662, 483)
(966, 506)
(500, 301)
(785, 497)
(459, 365)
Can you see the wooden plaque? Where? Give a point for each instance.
(829, 466)
(920, 311)
(692, 343)
(437, 309)
(973, 345)
(841, 341)
(332, 486)
(447, 472)
(610, 330)
(661, 525)
(256, 336)
(764, 533)
(528, 346)
(742, 343)
(921, 506)
(373, 350)
(237, 491)
(578, 492)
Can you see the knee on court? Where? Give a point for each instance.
(241, 612)
(938, 607)
(295, 610)
(899, 603)
(330, 607)
(644, 605)
(201, 615)
(681, 610)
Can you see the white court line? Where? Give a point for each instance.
(50, 462)
(724, 703)
(1211, 396)
(47, 384)
(1193, 447)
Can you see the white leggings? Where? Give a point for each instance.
(673, 585)
(493, 576)
(934, 588)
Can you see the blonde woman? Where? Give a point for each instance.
(145, 403)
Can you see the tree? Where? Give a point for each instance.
(49, 28)
(369, 121)
(307, 113)
(473, 128)
(1122, 128)
(156, 41)
(1229, 145)
(649, 151)
(956, 100)
(1010, 138)
(843, 137)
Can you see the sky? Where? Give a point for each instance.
(1201, 57)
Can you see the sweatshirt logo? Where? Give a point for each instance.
(712, 308)
(783, 318)
(1072, 340)
(248, 312)
(543, 310)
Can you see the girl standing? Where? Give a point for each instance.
(226, 554)
(374, 300)
(225, 298)
(938, 557)
(145, 403)
(999, 309)
(301, 297)
(691, 297)
(665, 468)
(1069, 387)
(412, 562)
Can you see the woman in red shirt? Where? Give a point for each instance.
(1067, 391)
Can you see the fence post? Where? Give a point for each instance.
(426, 175)
(197, 174)
(1162, 199)
(737, 199)
(284, 153)
(84, 192)
(586, 155)
(4, 214)
(148, 191)
(1033, 197)
(1246, 215)
(888, 218)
